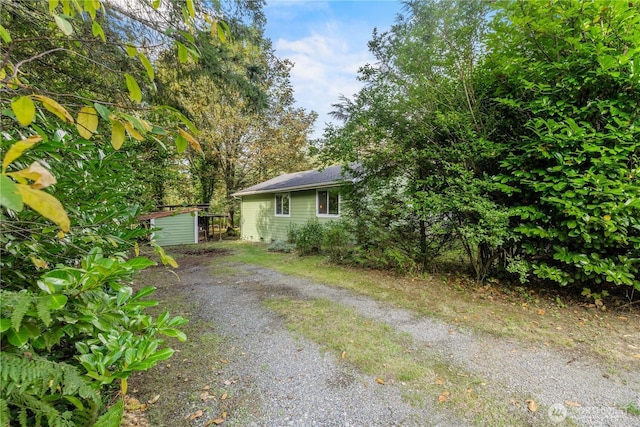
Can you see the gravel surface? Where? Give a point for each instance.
(292, 382)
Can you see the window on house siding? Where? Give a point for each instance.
(282, 204)
(328, 202)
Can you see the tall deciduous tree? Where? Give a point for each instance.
(417, 136)
(250, 129)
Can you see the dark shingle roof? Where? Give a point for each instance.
(297, 181)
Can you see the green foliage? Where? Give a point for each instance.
(280, 246)
(337, 240)
(34, 388)
(564, 78)
(94, 320)
(309, 237)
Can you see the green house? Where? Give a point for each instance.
(271, 208)
(173, 227)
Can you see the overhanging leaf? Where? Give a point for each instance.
(24, 109)
(147, 65)
(57, 109)
(46, 205)
(9, 196)
(63, 24)
(4, 34)
(117, 134)
(16, 150)
(36, 172)
(97, 30)
(192, 141)
(134, 90)
(131, 131)
(87, 122)
(181, 144)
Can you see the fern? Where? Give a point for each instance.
(20, 302)
(32, 388)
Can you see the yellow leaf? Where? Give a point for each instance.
(154, 399)
(131, 131)
(55, 108)
(24, 109)
(607, 217)
(192, 141)
(532, 405)
(136, 250)
(570, 403)
(87, 122)
(135, 94)
(224, 396)
(439, 381)
(218, 421)
(344, 354)
(191, 8)
(36, 172)
(16, 150)
(380, 381)
(46, 205)
(117, 134)
(442, 398)
(38, 262)
(124, 386)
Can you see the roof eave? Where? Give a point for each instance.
(287, 189)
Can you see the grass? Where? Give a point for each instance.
(531, 315)
(378, 350)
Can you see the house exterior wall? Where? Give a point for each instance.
(178, 229)
(259, 222)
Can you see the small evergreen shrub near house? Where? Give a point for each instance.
(280, 246)
(309, 237)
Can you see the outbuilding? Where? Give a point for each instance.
(176, 227)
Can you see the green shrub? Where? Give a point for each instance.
(280, 246)
(337, 240)
(309, 237)
(75, 332)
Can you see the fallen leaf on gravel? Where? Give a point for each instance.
(380, 381)
(637, 356)
(196, 414)
(439, 381)
(532, 405)
(443, 397)
(218, 421)
(204, 396)
(224, 396)
(570, 403)
(225, 361)
(224, 415)
(540, 312)
(344, 354)
(227, 382)
(206, 387)
(154, 399)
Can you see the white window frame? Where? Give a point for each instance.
(328, 215)
(275, 205)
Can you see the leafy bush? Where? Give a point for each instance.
(89, 317)
(292, 234)
(280, 246)
(309, 237)
(337, 240)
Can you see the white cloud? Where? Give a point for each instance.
(326, 65)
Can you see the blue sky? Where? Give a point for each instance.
(327, 41)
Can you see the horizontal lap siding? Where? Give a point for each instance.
(259, 222)
(176, 230)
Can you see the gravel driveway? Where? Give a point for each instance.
(292, 382)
